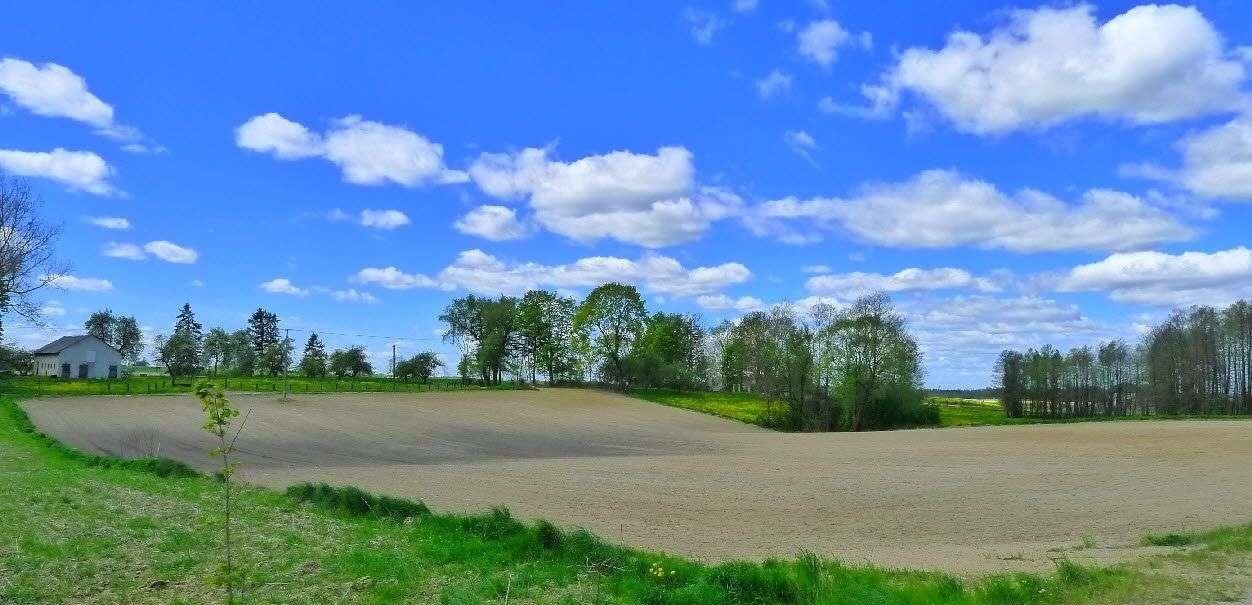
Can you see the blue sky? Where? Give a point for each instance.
(1012, 175)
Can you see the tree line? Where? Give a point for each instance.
(827, 369)
(1197, 361)
(262, 349)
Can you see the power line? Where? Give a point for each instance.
(394, 337)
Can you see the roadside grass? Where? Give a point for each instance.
(44, 386)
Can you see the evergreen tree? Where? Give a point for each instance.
(313, 364)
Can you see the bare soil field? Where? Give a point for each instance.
(966, 500)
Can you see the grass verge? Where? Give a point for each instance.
(78, 531)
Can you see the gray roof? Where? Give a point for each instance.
(60, 344)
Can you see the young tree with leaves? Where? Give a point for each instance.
(219, 422)
(612, 315)
(216, 348)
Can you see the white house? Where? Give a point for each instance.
(78, 357)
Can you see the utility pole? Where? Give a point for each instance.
(286, 361)
(393, 366)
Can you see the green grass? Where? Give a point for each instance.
(744, 407)
(754, 409)
(78, 531)
(970, 412)
(37, 386)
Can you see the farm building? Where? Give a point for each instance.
(82, 356)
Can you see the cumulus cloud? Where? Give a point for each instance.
(282, 285)
(1158, 278)
(941, 208)
(649, 200)
(495, 223)
(108, 222)
(353, 295)
(776, 83)
(367, 152)
(852, 285)
(960, 337)
(384, 219)
(76, 170)
(743, 6)
(1216, 162)
(55, 91)
(171, 252)
(1151, 64)
(722, 302)
(477, 271)
(122, 250)
(393, 279)
(78, 284)
(819, 41)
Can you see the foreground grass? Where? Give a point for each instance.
(83, 529)
(37, 386)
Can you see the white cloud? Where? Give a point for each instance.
(1149, 65)
(78, 284)
(285, 139)
(495, 223)
(776, 83)
(816, 269)
(1217, 162)
(171, 252)
(704, 25)
(108, 222)
(122, 250)
(722, 302)
(393, 279)
(77, 170)
(52, 309)
(477, 271)
(649, 200)
(1157, 278)
(353, 295)
(819, 41)
(941, 208)
(961, 337)
(852, 285)
(384, 219)
(55, 91)
(282, 285)
(802, 144)
(367, 152)
(743, 6)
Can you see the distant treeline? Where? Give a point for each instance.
(1199, 361)
(828, 369)
(984, 393)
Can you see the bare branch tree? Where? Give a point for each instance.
(27, 251)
